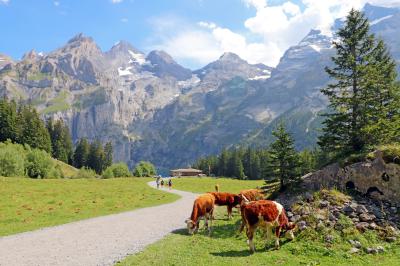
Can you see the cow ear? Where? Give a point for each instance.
(244, 199)
(188, 221)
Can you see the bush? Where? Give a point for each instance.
(85, 173)
(117, 170)
(39, 164)
(12, 159)
(144, 169)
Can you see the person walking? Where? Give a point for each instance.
(170, 183)
(158, 181)
(162, 183)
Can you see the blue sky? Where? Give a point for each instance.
(193, 31)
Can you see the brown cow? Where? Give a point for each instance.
(226, 199)
(252, 194)
(268, 215)
(203, 206)
(248, 195)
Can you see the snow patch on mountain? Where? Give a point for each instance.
(376, 21)
(137, 57)
(124, 72)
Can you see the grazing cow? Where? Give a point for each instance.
(203, 206)
(226, 199)
(252, 194)
(268, 215)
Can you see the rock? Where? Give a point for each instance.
(332, 217)
(380, 249)
(295, 218)
(391, 239)
(365, 217)
(348, 209)
(361, 209)
(362, 226)
(354, 250)
(308, 196)
(378, 213)
(302, 225)
(373, 226)
(319, 216)
(355, 243)
(329, 239)
(323, 203)
(353, 215)
(289, 214)
(371, 250)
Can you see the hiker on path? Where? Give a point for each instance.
(170, 183)
(158, 181)
(162, 183)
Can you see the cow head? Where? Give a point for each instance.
(191, 226)
(290, 227)
(237, 199)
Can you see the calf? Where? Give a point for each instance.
(226, 199)
(203, 206)
(268, 215)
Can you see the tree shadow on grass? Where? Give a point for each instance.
(232, 253)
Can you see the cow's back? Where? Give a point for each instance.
(266, 210)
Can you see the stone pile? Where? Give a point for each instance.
(326, 208)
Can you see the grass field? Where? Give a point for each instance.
(28, 204)
(224, 247)
(205, 184)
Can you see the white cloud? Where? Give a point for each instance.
(276, 27)
(4, 1)
(124, 20)
(56, 3)
(116, 1)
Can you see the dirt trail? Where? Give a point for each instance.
(97, 241)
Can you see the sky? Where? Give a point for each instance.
(194, 32)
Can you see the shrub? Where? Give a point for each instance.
(145, 169)
(39, 164)
(12, 159)
(85, 173)
(117, 170)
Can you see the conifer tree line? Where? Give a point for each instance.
(280, 161)
(22, 124)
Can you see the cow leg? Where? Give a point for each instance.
(197, 226)
(229, 208)
(277, 235)
(250, 235)
(211, 216)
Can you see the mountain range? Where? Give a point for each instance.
(154, 109)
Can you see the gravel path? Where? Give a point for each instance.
(97, 241)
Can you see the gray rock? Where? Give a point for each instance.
(308, 196)
(295, 218)
(391, 239)
(332, 217)
(362, 226)
(365, 217)
(349, 209)
(323, 203)
(302, 225)
(371, 250)
(329, 239)
(289, 214)
(355, 243)
(380, 249)
(373, 226)
(361, 209)
(354, 250)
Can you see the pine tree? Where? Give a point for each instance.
(284, 162)
(81, 154)
(31, 129)
(364, 98)
(223, 160)
(8, 120)
(61, 142)
(108, 150)
(236, 166)
(96, 157)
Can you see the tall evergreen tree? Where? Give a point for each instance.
(236, 166)
(8, 120)
(81, 153)
(108, 154)
(364, 98)
(96, 157)
(284, 162)
(223, 161)
(61, 142)
(32, 130)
